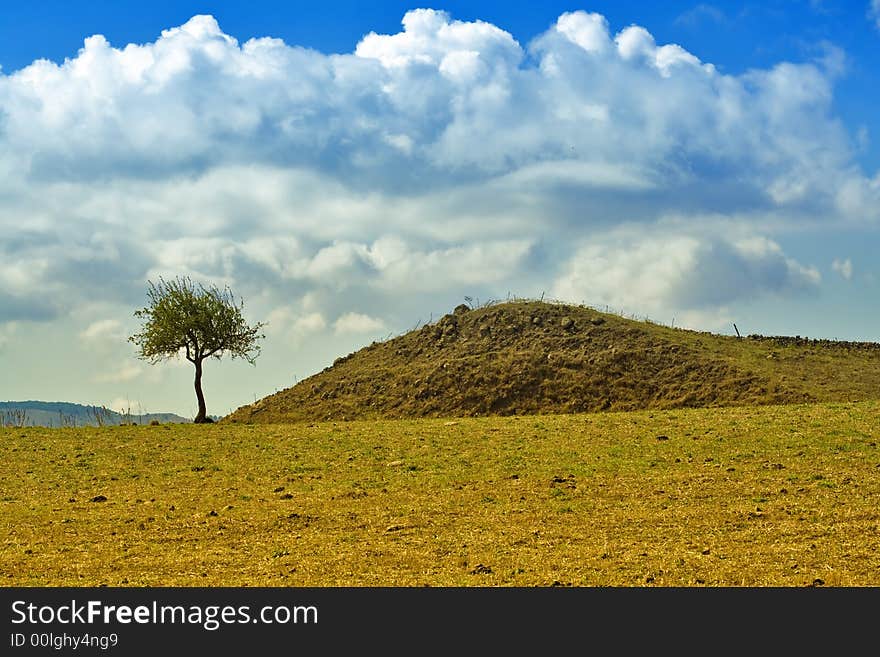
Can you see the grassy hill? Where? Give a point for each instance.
(529, 357)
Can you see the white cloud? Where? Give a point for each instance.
(843, 267)
(716, 319)
(339, 260)
(635, 43)
(574, 173)
(357, 323)
(444, 160)
(589, 31)
(403, 267)
(293, 324)
(663, 272)
(24, 282)
(431, 38)
(7, 330)
(125, 372)
(407, 108)
(103, 330)
(310, 323)
(403, 112)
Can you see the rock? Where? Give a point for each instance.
(461, 309)
(597, 321)
(99, 498)
(480, 569)
(662, 437)
(536, 320)
(567, 323)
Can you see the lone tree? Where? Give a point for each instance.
(200, 321)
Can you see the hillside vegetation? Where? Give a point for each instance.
(763, 496)
(529, 357)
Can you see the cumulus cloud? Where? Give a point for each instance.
(357, 323)
(430, 38)
(294, 324)
(21, 280)
(407, 105)
(310, 323)
(102, 330)
(688, 272)
(402, 266)
(843, 267)
(443, 160)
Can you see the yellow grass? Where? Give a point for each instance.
(756, 496)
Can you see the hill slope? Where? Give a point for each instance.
(528, 357)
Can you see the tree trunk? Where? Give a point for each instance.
(202, 414)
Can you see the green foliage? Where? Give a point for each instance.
(198, 320)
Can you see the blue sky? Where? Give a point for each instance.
(352, 168)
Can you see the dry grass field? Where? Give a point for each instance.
(746, 496)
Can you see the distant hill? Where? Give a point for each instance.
(65, 414)
(528, 357)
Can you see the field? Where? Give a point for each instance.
(754, 496)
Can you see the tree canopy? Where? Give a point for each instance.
(197, 321)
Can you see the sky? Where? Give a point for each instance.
(351, 170)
